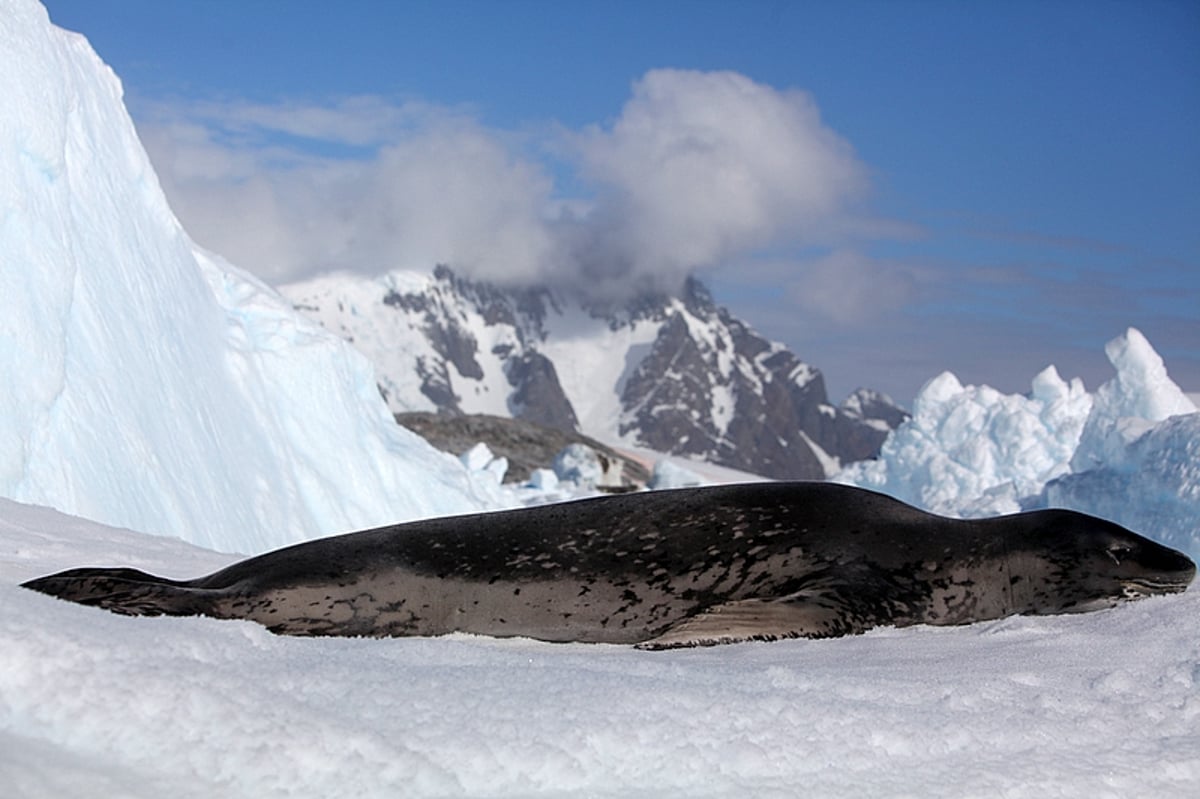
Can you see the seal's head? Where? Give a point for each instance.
(1088, 563)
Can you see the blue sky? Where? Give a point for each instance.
(905, 187)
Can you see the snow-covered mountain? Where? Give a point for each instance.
(675, 374)
(147, 384)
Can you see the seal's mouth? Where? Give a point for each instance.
(1149, 586)
(1163, 571)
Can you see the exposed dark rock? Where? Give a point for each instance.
(867, 404)
(537, 396)
(526, 445)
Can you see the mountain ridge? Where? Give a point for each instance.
(675, 373)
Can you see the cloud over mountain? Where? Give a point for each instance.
(360, 185)
(697, 169)
(701, 167)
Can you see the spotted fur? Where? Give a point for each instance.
(666, 569)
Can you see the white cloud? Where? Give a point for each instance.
(443, 190)
(359, 121)
(452, 195)
(699, 168)
(849, 288)
(702, 166)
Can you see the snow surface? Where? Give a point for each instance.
(1130, 452)
(148, 384)
(1099, 705)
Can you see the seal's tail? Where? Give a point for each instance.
(126, 591)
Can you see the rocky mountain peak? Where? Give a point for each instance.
(676, 374)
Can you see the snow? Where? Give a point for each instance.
(830, 464)
(594, 362)
(594, 355)
(707, 473)
(375, 330)
(93, 703)
(724, 404)
(148, 384)
(1130, 452)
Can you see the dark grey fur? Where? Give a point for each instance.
(666, 569)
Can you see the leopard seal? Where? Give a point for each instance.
(665, 569)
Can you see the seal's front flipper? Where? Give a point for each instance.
(126, 591)
(801, 615)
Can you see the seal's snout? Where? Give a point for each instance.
(1186, 572)
(1175, 565)
(1162, 570)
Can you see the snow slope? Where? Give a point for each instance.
(1130, 452)
(1099, 705)
(146, 384)
(331, 297)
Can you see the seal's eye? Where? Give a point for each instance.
(1118, 553)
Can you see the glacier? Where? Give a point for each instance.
(1129, 453)
(148, 384)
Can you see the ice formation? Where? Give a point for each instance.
(578, 464)
(971, 450)
(147, 384)
(480, 460)
(1130, 405)
(1130, 452)
(1152, 485)
(668, 474)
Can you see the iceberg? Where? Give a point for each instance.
(1129, 453)
(148, 384)
(973, 451)
(1152, 485)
